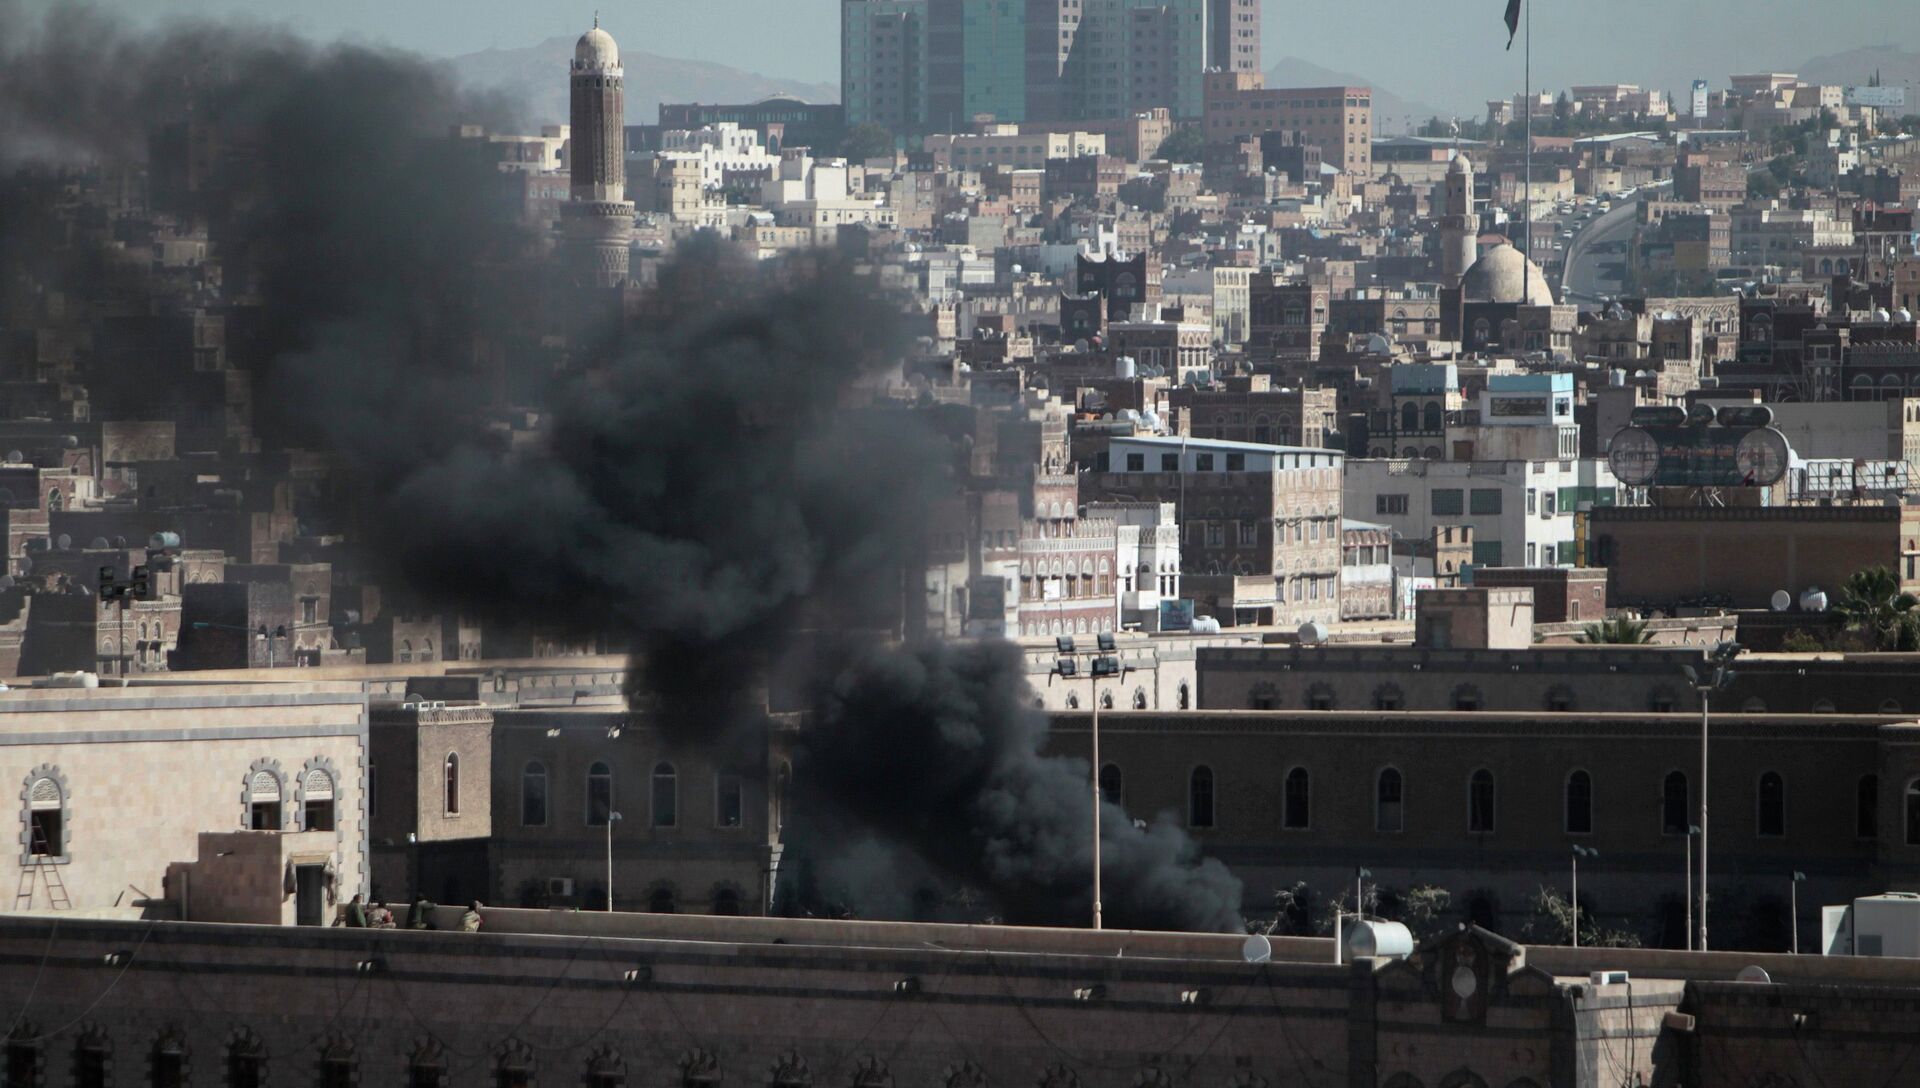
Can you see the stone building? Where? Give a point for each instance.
(1262, 522)
(599, 220)
(118, 784)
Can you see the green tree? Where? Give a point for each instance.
(1874, 603)
(866, 141)
(1619, 631)
(1550, 921)
(1187, 144)
(1562, 107)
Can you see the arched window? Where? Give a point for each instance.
(1866, 807)
(1466, 697)
(1183, 697)
(1263, 696)
(46, 814)
(92, 1059)
(1139, 698)
(514, 1066)
(661, 901)
(1112, 784)
(317, 799)
(339, 1066)
(533, 794)
(263, 800)
(1480, 802)
(1771, 802)
(1389, 804)
(1579, 803)
(427, 1068)
(452, 767)
(1482, 328)
(426, 649)
(1409, 418)
(168, 1060)
(246, 1061)
(1320, 697)
(1388, 697)
(1433, 420)
(1200, 797)
(605, 1069)
(1073, 701)
(726, 902)
(1106, 700)
(666, 795)
(599, 794)
(1297, 812)
(1673, 804)
(1560, 698)
(406, 651)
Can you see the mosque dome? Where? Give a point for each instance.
(1503, 274)
(1459, 165)
(596, 49)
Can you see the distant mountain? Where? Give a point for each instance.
(536, 78)
(1897, 68)
(1390, 111)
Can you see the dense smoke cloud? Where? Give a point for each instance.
(693, 479)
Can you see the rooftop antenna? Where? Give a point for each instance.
(596, 18)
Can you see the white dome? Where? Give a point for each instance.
(1459, 165)
(596, 49)
(1503, 274)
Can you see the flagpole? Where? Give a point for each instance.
(1526, 196)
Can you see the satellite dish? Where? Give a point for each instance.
(1313, 633)
(63, 542)
(1257, 949)
(1753, 972)
(119, 541)
(98, 543)
(1813, 600)
(1782, 600)
(16, 456)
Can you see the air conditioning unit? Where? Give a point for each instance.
(560, 885)
(1608, 978)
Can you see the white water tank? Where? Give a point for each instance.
(1382, 940)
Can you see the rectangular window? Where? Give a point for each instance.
(1446, 501)
(1169, 462)
(1530, 554)
(727, 807)
(1249, 533)
(1486, 553)
(1484, 500)
(1533, 500)
(1236, 462)
(319, 815)
(1216, 535)
(1547, 504)
(1389, 504)
(1136, 462)
(1203, 462)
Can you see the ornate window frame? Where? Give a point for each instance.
(321, 764)
(62, 853)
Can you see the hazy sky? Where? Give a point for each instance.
(1448, 53)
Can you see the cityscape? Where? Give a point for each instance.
(1087, 554)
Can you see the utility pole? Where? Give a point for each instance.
(1715, 678)
(1105, 665)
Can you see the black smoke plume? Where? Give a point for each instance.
(695, 476)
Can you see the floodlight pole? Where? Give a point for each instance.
(612, 818)
(1706, 683)
(1093, 686)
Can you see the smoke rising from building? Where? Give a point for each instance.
(694, 479)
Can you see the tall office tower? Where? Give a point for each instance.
(598, 220)
(883, 63)
(1233, 35)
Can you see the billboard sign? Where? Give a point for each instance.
(1176, 615)
(1674, 447)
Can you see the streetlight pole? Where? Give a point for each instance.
(1686, 871)
(1578, 853)
(1104, 666)
(1717, 676)
(612, 818)
(1793, 901)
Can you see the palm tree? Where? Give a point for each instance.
(1873, 601)
(1619, 631)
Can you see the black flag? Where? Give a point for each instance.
(1513, 21)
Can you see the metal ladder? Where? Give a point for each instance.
(41, 864)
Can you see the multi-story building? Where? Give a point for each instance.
(1260, 524)
(883, 62)
(1286, 320)
(1008, 145)
(1239, 106)
(1252, 410)
(1523, 513)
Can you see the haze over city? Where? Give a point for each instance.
(960, 543)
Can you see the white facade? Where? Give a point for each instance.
(1522, 512)
(1146, 558)
(1006, 145)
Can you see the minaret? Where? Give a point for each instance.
(599, 220)
(1460, 229)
